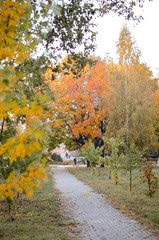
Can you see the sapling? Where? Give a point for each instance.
(150, 178)
(114, 161)
(131, 158)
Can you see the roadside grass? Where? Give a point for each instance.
(37, 218)
(134, 203)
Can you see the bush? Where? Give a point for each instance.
(56, 157)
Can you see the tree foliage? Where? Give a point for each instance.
(131, 160)
(25, 95)
(149, 177)
(26, 99)
(20, 146)
(131, 112)
(92, 154)
(78, 102)
(115, 159)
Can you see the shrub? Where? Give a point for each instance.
(56, 158)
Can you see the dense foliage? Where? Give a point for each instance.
(35, 35)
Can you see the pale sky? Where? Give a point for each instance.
(146, 34)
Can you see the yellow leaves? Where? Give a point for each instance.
(15, 46)
(128, 214)
(20, 151)
(30, 193)
(36, 173)
(84, 195)
(24, 144)
(17, 214)
(23, 183)
(6, 189)
(29, 180)
(11, 177)
(30, 214)
(30, 112)
(9, 144)
(36, 146)
(12, 23)
(14, 106)
(11, 17)
(37, 134)
(2, 190)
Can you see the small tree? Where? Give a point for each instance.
(149, 177)
(131, 160)
(101, 162)
(114, 161)
(92, 154)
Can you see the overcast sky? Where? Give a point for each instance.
(146, 34)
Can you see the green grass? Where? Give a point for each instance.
(37, 218)
(134, 203)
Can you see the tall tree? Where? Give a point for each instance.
(131, 113)
(77, 106)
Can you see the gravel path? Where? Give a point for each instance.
(97, 219)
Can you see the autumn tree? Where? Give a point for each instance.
(149, 177)
(22, 138)
(77, 108)
(131, 112)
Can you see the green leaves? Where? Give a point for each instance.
(91, 153)
(114, 161)
(132, 157)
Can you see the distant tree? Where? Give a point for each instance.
(77, 108)
(92, 154)
(56, 157)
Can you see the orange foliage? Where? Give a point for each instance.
(78, 100)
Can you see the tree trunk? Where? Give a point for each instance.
(1, 134)
(99, 171)
(149, 184)
(109, 174)
(130, 179)
(88, 163)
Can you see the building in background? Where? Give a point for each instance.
(64, 153)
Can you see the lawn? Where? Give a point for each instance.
(134, 203)
(37, 218)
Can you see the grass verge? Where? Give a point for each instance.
(134, 203)
(37, 218)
